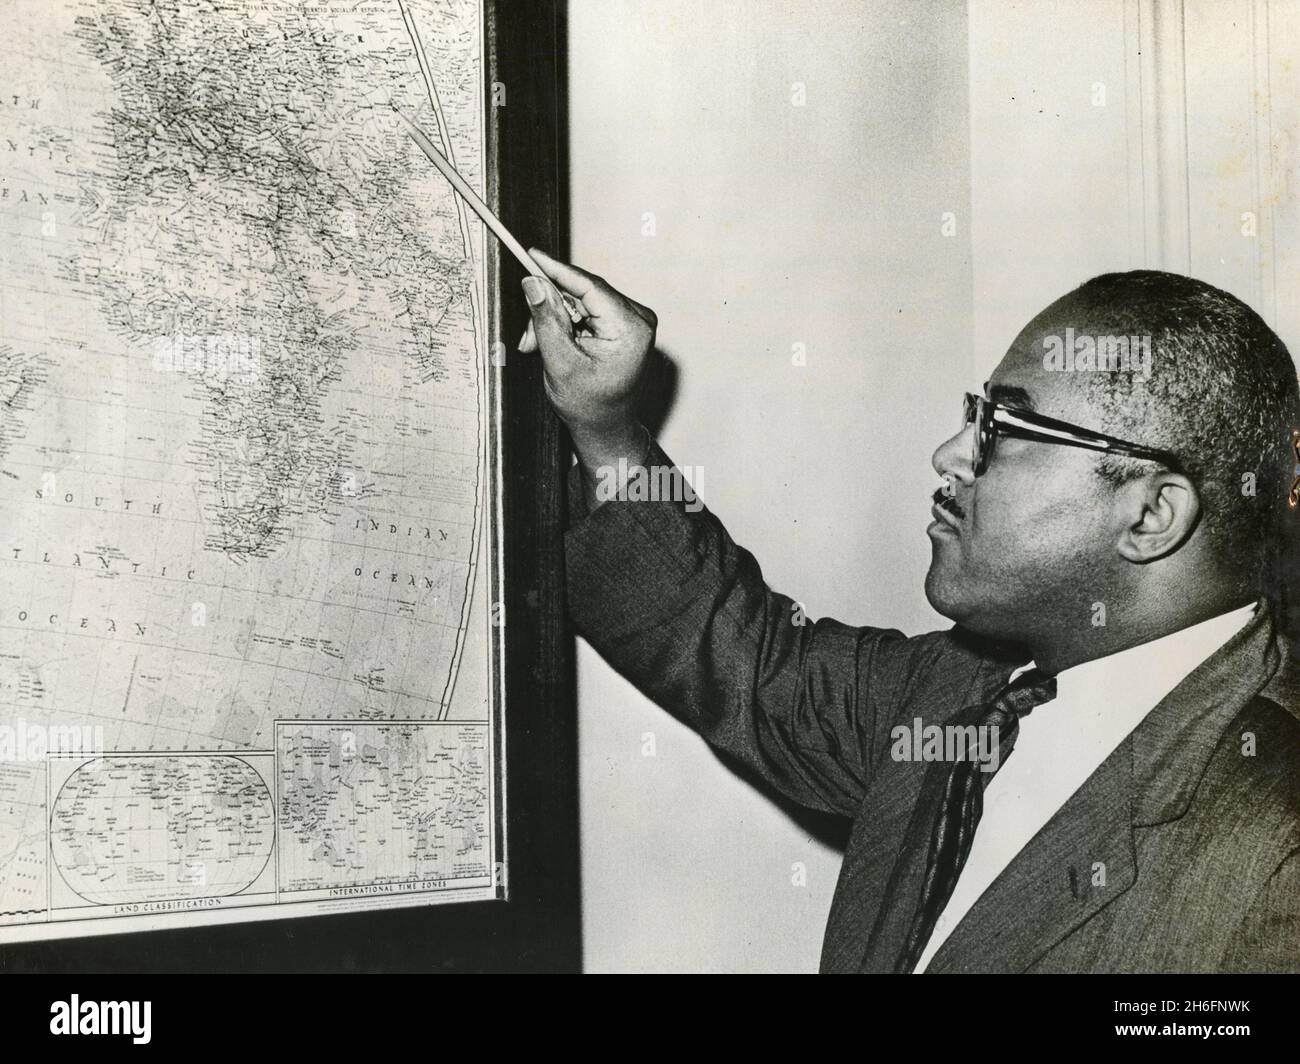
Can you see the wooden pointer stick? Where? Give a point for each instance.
(485, 212)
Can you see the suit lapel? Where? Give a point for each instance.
(1175, 742)
(1082, 860)
(1084, 857)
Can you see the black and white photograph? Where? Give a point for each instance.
(722, 487)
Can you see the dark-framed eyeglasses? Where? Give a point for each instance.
(992, 420)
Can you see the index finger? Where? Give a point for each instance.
(598, 298)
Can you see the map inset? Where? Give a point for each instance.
(146, 828)
(243, 418)
(382, 803)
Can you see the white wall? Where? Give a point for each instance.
(774, 225)
(1196, 124)
(1052, 182)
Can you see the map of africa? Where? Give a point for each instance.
(245, 652)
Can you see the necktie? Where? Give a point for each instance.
(963, 804)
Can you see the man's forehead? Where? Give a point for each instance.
(1021, 379)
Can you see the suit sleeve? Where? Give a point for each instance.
(666, 597)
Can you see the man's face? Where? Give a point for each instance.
(1032, 540)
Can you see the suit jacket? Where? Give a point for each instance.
(1180, 853)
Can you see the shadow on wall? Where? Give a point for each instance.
(656, 396)
(657, 391)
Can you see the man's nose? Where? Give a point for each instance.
(953, 456)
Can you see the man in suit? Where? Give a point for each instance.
(1097, 769)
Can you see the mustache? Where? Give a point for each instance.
(947, 502)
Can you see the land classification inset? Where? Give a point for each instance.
(244, 509)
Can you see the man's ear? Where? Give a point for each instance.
(1157, 513)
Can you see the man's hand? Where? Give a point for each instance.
(591, 374)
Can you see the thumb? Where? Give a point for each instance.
(550, 319)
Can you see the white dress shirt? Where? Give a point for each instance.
(1062, 742)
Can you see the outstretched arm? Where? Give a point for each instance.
(662, 592)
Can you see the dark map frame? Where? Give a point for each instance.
(537, 927)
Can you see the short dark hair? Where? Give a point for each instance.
(1221, 394)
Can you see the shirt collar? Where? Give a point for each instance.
(1140, 676)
